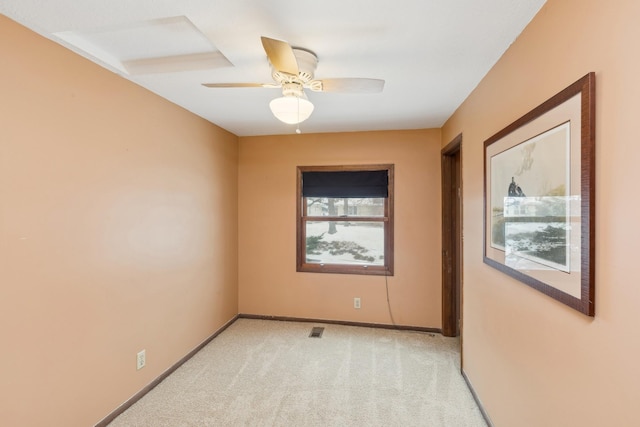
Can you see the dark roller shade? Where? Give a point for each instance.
(345, 184)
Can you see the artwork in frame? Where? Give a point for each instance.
(539, 206)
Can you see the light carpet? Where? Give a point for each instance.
(271, 373)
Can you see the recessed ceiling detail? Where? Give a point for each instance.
(431, 54)
(158, 46)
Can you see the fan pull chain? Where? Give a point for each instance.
(298, 124)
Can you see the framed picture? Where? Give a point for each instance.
(539, 205)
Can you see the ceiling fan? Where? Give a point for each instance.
(292, 69)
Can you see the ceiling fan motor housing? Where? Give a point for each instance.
(307, 64)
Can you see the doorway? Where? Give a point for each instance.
(452, 237)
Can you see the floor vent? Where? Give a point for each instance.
(316, 332)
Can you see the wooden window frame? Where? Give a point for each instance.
(302, 219)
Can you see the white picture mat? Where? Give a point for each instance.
(569, 112)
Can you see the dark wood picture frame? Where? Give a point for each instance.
(539, 197)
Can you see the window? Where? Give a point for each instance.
(345, 219)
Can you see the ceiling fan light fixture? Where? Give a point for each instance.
(291, 109)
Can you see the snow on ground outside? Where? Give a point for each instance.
(370, 237)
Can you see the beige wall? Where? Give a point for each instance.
(269, 283)
(118, 232)
(533, 361)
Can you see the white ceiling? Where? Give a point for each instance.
(431, 53)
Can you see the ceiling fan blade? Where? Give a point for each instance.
(352, 85)
(227, 85)
(280, 55)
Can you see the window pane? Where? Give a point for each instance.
(343, 242)
(324, 206)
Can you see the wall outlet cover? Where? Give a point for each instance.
(141, 359)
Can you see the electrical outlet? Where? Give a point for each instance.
(356, 302)
(141, 359)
